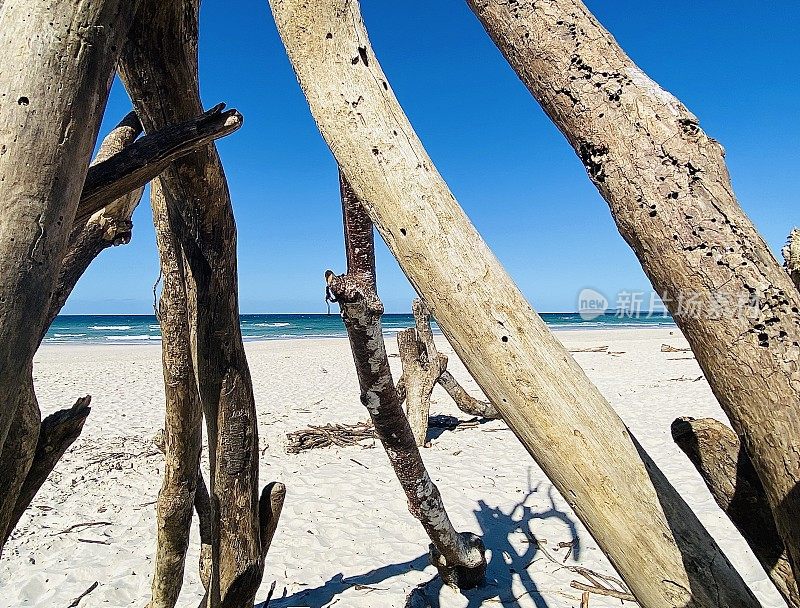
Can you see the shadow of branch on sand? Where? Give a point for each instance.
(507, 567)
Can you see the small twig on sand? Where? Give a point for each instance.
(83, 526)
(590, 349)
(78, 599)
(602, 591)
(585, 600)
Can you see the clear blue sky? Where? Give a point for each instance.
(732, 63)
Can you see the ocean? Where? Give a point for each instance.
(143, 329)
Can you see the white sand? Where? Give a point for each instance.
(345, 536)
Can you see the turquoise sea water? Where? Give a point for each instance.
(143, 329)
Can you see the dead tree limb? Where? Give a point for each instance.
(145, 159)
(56, 434)
(791, 257)
(47, 134)
(421, 370)
(638, 519)
(725, 467)
(109, 226)
(159, 69)
(670, 194)
(458, 557)
(183, 416)
(202, 506)
(466, 402)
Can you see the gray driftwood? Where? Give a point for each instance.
(47, 133)
(543, 395)
(670, 194)
(459, 557)
(159, 69)
(725, 467)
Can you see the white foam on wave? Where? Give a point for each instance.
(111, 327)
(121, 338)
(271, 324)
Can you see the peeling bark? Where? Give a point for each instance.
(159, 69)
(458, 557)
(727, 471)
(46, 138)
(670, 194)
(638, 519)
(791, 257)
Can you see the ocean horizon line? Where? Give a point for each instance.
(143, 328)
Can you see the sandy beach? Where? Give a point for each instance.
(345, 537)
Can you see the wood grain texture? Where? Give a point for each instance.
(56, 68)
(670, 194)
(638, 519)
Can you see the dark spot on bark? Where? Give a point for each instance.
(385, 85)
(23, 101)
(362, 51)
(375, 151)
(329, 35)
(403, 231)
(763, 339)
(504, 338)
(592, 158)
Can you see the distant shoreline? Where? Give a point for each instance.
(144, 329)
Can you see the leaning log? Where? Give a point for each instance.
(47, 133)
(159, 69)
(183, 423)
(464, 401)
(147, 158)
(670, 194)
(648, 532)
(459, 558)
(57, 433)
(717, 454)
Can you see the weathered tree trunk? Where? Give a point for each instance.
(791, 256)
(648, 532)
(717, 454)
(422, 366)
(184, 415)
(458, 557)
(670, 194)
(46, 137)
(159, 68)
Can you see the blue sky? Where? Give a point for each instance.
(732, 63)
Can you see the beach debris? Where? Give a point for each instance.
(78, 599)
(341, 435)
(589, 349)
(666, 348)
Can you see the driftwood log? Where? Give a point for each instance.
(727, 471)
(46, 138)
(159, 69)
(459, 557)
(670, 194)
(423, 367)
(147, 158)
(543, 395)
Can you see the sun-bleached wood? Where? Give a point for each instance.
(668, 189)
(717, 454)
(47, 134)
(650, 535)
